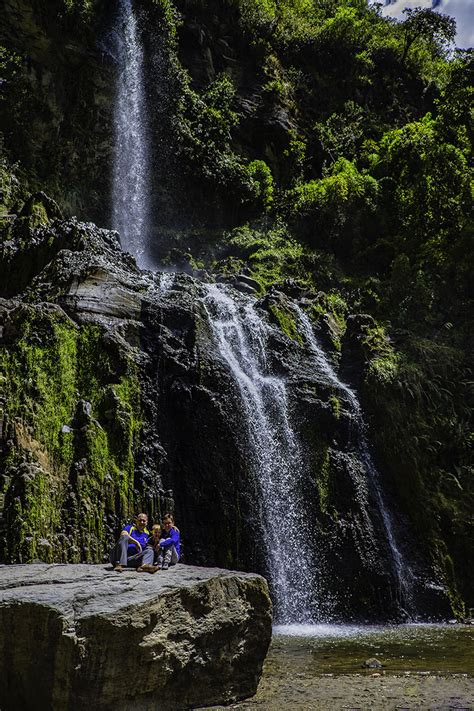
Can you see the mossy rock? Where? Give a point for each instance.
(66, 471)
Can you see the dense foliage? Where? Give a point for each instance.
(319, 141)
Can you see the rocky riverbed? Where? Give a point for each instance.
(424, 667)
(83, 636)
(360, 693)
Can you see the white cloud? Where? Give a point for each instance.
(463, 13)
(461, 10)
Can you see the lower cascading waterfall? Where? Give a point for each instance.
(402, 572)
(274, 458)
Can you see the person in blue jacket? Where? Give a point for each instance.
(131, 550)
(169, 544)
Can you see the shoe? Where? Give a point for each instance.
(118, 568)
(165, 566)
(158, 566)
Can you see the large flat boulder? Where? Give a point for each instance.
(82, 637)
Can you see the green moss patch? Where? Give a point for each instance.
(74, 419)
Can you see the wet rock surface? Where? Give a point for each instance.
(82, 636)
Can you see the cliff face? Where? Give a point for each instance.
(59, 88)
(115, 393)
(274, 146)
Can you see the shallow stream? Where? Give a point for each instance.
(321, 668)
(343, 649)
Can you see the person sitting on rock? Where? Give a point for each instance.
(131, 550)
(154, 540)
(169, 544)
(156, 533)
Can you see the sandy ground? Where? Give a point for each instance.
(362, 692)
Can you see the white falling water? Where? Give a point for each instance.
(130, 212)
(166, 281)
(402, 570)
(274, 456)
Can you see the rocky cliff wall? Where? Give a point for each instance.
(114, 396)
(59, 90)
(103, 372)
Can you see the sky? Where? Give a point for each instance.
(461, 10)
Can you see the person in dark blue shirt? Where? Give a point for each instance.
(169, 546)
(131, 549)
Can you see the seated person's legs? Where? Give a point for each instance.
(146, 561)
(119, 553)
(129, 551)
(147, 556)
(160, 557)
(168, 557)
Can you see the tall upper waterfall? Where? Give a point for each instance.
(274, 458)
(130, 209)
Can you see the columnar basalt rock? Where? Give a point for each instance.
(81, 637)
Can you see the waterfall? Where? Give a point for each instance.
(402, 571)
(166, 281)
(274, 457)
(130, 211)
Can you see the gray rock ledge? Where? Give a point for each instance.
(84, 637)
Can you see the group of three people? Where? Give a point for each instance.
(147, 552)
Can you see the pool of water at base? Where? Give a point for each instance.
(344, 649)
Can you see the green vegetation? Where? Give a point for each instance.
(335, 207)
(270, 256)
(286, 321)
(83, 7)
(421, 407)
(72, 438)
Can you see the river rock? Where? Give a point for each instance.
(81, 637)
(373, 663)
